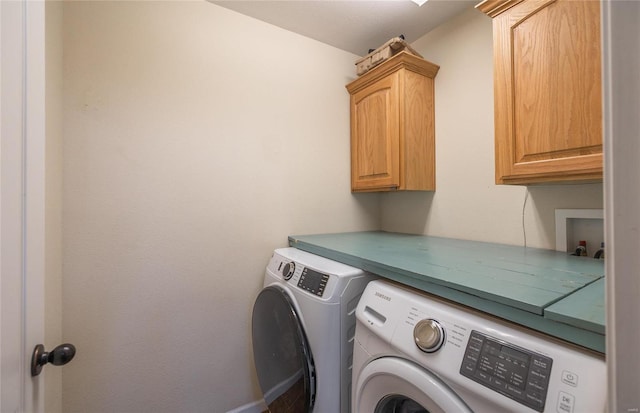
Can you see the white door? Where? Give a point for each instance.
(621, 34)
(21, 202)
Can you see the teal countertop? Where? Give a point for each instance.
(548, 291)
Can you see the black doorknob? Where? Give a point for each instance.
(59, 356)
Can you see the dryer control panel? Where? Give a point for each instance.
(313, 281)
(515, 372)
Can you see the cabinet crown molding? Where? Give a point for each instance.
(492, 8)
(399, 61)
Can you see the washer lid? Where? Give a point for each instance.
(391, 384)
(281, 353)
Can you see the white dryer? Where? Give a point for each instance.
(416, 353)
(302, 329)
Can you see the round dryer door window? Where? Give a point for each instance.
(394, 385)
(281, 353)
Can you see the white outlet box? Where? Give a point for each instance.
(575, 225)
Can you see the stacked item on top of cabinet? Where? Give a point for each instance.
(375, 57)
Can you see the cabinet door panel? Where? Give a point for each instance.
(374, 139)
(373, 159)
(548, 92)
(554, 64)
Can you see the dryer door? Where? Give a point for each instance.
(281, 353)
(391, 384)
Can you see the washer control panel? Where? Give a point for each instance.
(517, 373)
(313, 281)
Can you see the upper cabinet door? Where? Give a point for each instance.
(375, 161)
(547, 90)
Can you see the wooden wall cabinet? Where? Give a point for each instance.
(392, 126)
(547, 90)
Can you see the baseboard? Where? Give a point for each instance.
(254, 407)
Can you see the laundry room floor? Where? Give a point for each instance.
(291, 401)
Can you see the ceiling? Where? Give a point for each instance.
(356, 25)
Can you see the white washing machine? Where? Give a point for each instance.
(416, 353)
(303, 328)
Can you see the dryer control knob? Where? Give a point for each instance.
(288, 270)
(428, 335)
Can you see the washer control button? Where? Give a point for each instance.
(428, 335)
(566, 402)
(570, 378)
(288, 270)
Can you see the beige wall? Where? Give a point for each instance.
(53, 200)
(195, 141)
(467, 204)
